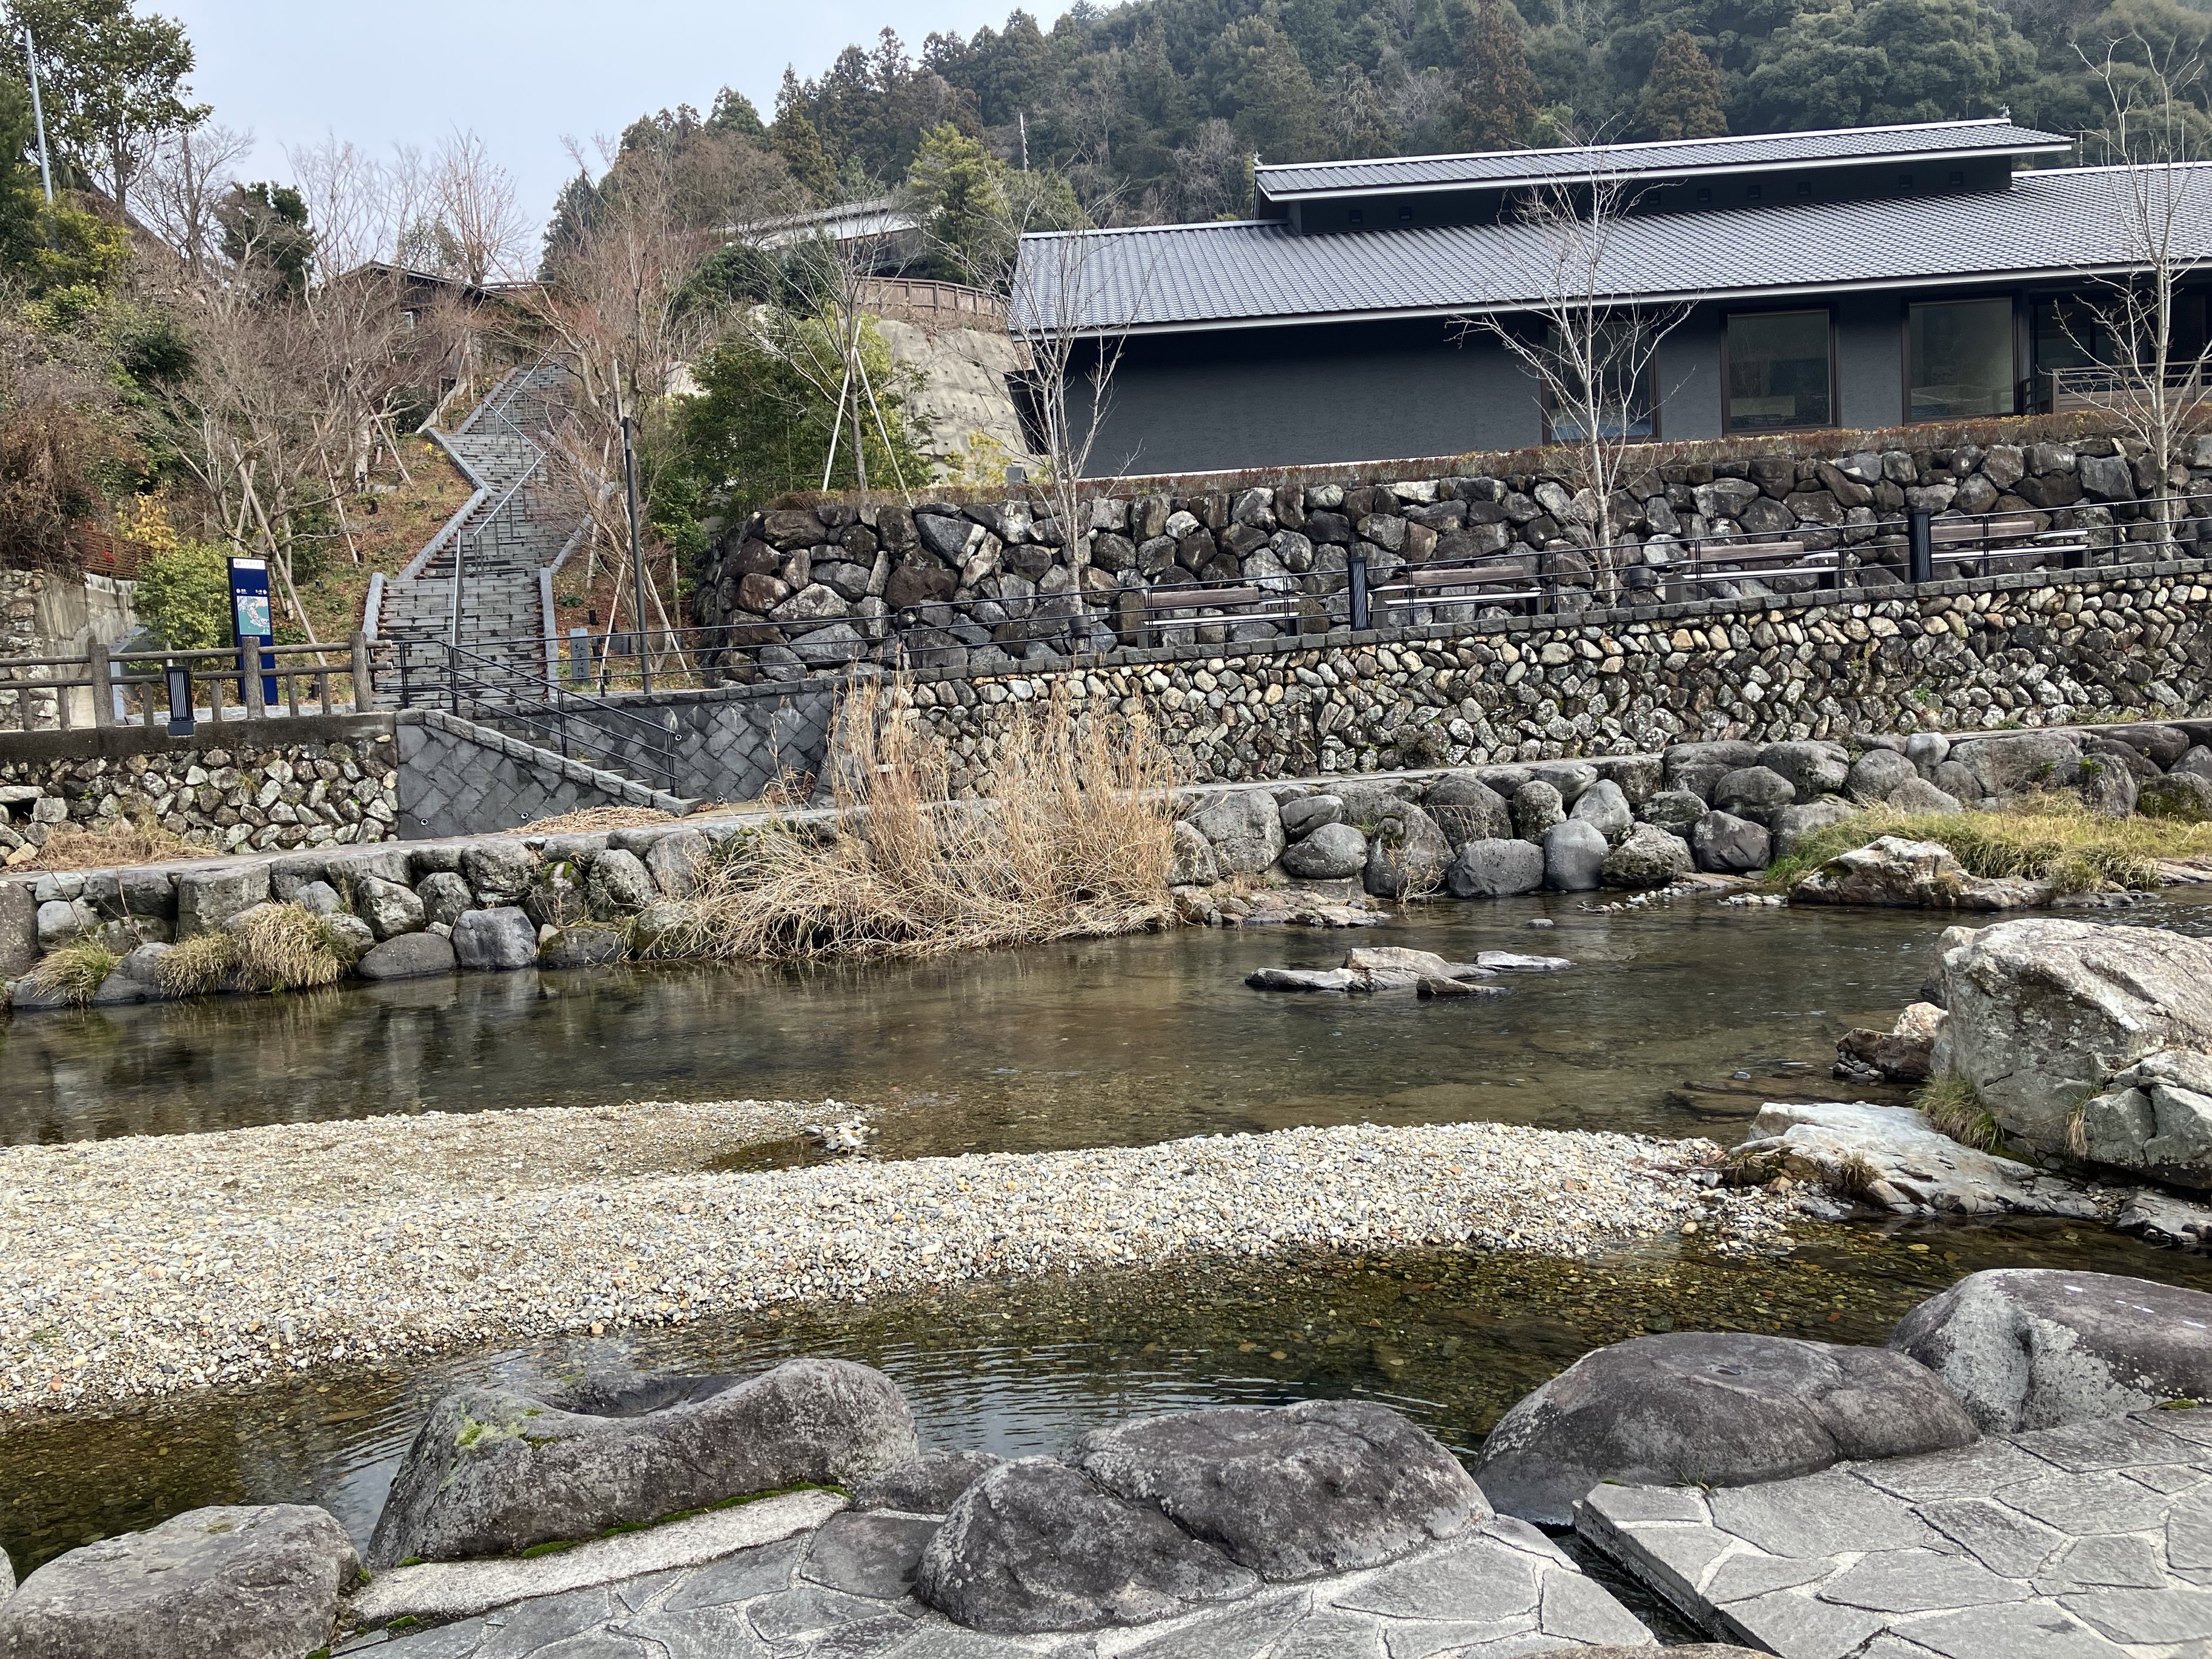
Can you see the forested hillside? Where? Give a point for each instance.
(1158, 105)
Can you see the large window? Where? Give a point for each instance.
(1780, 371)
(1958, 360)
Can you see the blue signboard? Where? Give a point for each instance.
(250, 620)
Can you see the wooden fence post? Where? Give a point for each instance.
(103, 684)
(363, 689)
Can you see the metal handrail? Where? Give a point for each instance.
(473, 537)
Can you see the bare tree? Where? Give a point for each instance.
(348, 193)
(473, 198)
(2147, 379)
(1594, 358)
(190, 173)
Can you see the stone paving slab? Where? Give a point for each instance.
(2089, 1541)
(841, 1592)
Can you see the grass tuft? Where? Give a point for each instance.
(1075, 839)
(200, 966)
(2052, 838)
(273, 947)
(1953, 1106)
(113, 843)
(74, 972)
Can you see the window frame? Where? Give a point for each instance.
(1835, 388)
(1904, 353)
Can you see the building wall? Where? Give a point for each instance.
(1870, 359)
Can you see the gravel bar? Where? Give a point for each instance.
(139, 1268)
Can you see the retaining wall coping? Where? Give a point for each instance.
(121, 742)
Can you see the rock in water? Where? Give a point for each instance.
(1496, 869)
(1194, 863)
(2155, 1118)
(1649, 857)
(1407, 854)
(1323, 1486)
(2044, 1011)
(1330, 853)
(1916, 874)
(1723, 1408)
(1891, 1157)
(1034, 1546)
(1574, 855)
(1468, 810)
(493, 1473)
(232, 1581)
(2036, 1347)
(1726, 845)
(500, 940)
(1244, 828)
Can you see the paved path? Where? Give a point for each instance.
(2090, 1541)
(841, 1592)
(519, 525)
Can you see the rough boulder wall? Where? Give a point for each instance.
(962, 397)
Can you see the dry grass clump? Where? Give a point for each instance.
(1075, 840)
(272, 947)
(114, 844)
(74, 972)
(2052, 837)
(1953, 1106)
(596, 817)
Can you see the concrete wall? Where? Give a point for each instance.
(459, 778)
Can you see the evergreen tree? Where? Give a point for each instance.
(735, 112)
(265, 226)
(1682, 94)
(958, 190)
(19, 195)
(793, 136)
(1497, 93)
(1315, 30)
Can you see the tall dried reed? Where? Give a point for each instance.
(1073, 839)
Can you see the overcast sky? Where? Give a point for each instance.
(523, 73)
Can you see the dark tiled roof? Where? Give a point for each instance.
(1167, 276)
(1766, 149)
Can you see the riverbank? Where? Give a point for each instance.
(132, 1269)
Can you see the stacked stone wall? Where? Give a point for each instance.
(2043, 649)
(809, 589)
(278, 788)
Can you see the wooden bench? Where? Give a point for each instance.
(1405, 585)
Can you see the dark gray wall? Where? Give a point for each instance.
(1870, 359)
(1313, 395)
(1690, 377)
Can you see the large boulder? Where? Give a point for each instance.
(1322, 1486)
(2183, 796)
(1496, 869)
(137, 978)
(1569, 777)
(1035, 1546)
(2106, 785)
(1307, 813)
(619, 885)
(2154, 1119)
(2036, 1347)
(1676, 810)
(1244, 827)
(1723, 1408)
(1697, 767)
(1574, 856)
(1914, 874)
(229, 1581)
(1755, 793)
(2044, 1011)
(1918, 795)
(494, 1472)
(1193, 861)
(1813, 769)
(497, 941)
(1605, 808)
(1407, 853)
(1536, 808)
(408, 956)
(1466, 809)
(1792, 824)
(1330, 853)
(500, 870)
(930, 1484)
(1878, 774)
(389, 909)
(1648, 857)
(2018, 762)
(1726, 845)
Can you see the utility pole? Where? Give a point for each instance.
(1022, 124)
(39, 113)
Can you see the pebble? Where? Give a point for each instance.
(148, 1267)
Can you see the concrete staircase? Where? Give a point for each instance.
(516, 527)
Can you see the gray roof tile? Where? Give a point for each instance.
(1764, 149)
(1184, 276)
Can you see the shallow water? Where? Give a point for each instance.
(1100, 1043)
(1676, 1021)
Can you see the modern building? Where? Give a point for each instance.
(1857, 278)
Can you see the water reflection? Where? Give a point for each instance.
(1111, 1042)
(1451, 1338)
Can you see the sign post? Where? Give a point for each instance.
(250, 627)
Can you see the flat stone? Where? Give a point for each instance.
(2145, 1616)
(867, 1554)
(409, 956)
(1818, 1515)
(1917, 1581)
(2035, 1630)
(928, 1484)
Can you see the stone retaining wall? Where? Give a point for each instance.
(235, 786)
(458, 778)
(856, 566)
(2038, 648)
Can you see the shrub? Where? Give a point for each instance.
(184, 587)
(75, 971)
